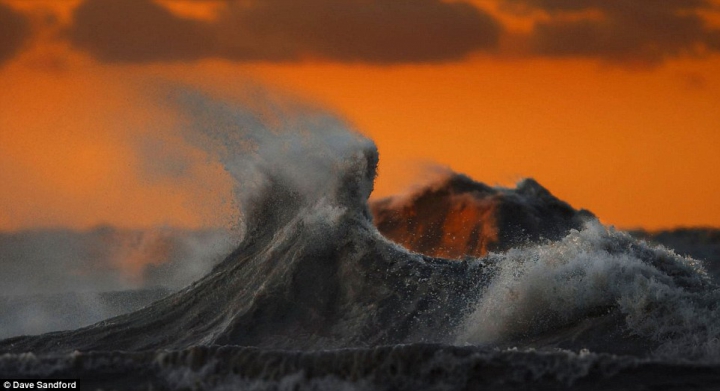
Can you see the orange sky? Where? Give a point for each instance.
(636, 143)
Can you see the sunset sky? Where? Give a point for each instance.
(613, 105)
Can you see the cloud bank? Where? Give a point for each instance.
(374, 31)
(383, 31)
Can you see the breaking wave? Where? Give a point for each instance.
(563, 294)
(315, 291)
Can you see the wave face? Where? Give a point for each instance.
(457, 217)
(310, 274)
(314, 297)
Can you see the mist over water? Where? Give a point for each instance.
(312, 296)
(57, 279)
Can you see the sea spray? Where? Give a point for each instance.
(663, 297)
(270, 137)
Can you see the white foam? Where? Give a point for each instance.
(662, 296)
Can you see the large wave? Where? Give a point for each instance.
(313, 273)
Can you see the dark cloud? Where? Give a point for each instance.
(361, 30)
(646, 31)
(136, 31)
(377, 31)
(14, 32)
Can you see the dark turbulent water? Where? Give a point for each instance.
(316, 298)
(399, 367)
